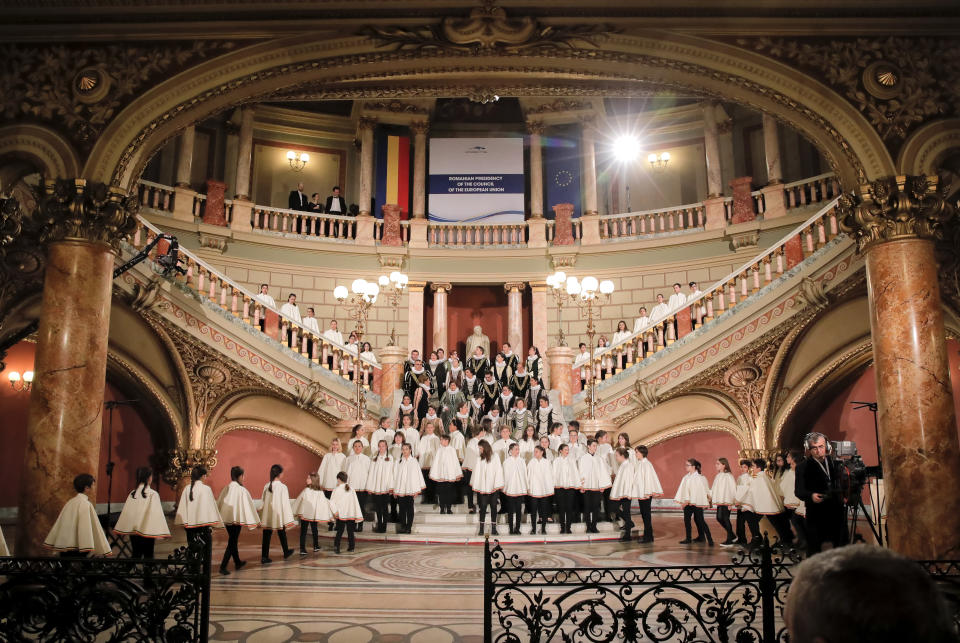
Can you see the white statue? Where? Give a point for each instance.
(478, 339)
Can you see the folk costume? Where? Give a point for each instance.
(77, 530)
(514, 489)
(693, 495)
(311, 507)
(540, 488)
(347, 512)
(646, 487)
(275, 515)
(142, 520)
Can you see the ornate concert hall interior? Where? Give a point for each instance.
(712, 227)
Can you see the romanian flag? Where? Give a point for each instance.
(393, 174)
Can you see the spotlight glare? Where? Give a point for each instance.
(626, 148)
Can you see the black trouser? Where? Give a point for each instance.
(466, 488)
(142, 547)
(312, 525)
(591, 507)
(196, 534)
(74, 554)
(625, 514)
(446, 493)
(381, 502)
(232, 550)
(362, 501)
(541, 507)
(350, 526)
(488, 500)
(752, 521)
(607, 504)
(514, 506)
(742, 525)
(405, 511)
(645, 516)
(565, 503)
(781, 523)
(265, 543)
(723, 517)
(799, 525)
(826, 522)
(696, 513)
(430, 492)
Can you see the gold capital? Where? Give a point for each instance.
(440, 287)
(94, 212)
(514, 286)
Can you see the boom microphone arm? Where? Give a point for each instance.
(169, 261)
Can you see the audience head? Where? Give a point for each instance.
(863, 593)
(83, 482)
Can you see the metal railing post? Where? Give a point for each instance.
(487, 593)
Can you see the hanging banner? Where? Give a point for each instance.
(476, 179)
(393, 174)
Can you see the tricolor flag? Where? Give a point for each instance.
(393, 174)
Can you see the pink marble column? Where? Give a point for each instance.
(563, 224)
(515, 315)
(560, 365)
(215, 212)
(793, 250)
(589, 152)
(771, 150)
(684, 323)
(440, 291)
(895, 224)
(415, 315)
(391, 378)
(742, 200)
(535, 129)
(392, 233)
(538, 296)
(244, 155)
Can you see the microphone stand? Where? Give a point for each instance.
(878, 532)
(110, 405)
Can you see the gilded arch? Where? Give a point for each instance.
(923, 151)
(356, 67)
(49, 151)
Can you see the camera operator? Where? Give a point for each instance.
(817, 485)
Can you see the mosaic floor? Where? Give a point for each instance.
(392, 592)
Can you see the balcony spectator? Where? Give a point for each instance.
(298, 199)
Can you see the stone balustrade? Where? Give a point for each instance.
(651, 222)
(308, 224)
(476, 235)
(211, 285)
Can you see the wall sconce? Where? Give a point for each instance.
(297, 161)
(658, 162)
(21, 383)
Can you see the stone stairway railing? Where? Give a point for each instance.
(720, 298)
(213, 287)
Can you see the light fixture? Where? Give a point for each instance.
(21, 382)
(658, 162)
(297, 161)
(626, 148)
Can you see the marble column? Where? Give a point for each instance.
(515, 316)
(185, 154)
(589, 153)
(742, 200)
(420, 130)
(415, 315)
(244, 154)
(896, 223)
(535, 129)
(560, 365)
(391, 378)
(771, 150)
(440, 291)
(538, 297)
(66, 402)
(366, 126)
(711, 145)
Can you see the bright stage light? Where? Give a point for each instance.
(340, 292)
(626, 148)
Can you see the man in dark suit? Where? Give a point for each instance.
(298, 199)
(335, 205)
(816, 485)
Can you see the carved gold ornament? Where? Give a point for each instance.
(895, 207)
(75, 209)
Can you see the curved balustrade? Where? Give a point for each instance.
(156, 196)
(816, 189)
(310, 224)
(210, 284)
(649, 222)
(477, 234)
(722, 296)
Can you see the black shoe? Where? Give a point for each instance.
(223, 570)
(592, 530)
(710, 543)
(729, 541)
(303, 552)
(287, 554)
(241, 564)
(685, 541)
(329, 526)
(336, 549)
(360, 526)
(625, 538)
(265, 561)
(473, 510)
(567, 531)
(480, 533)
(543, 530)
(493, 531)
(350, 548)
(699, 539)
(316, 548)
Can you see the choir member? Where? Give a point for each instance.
(431, 417)
(455, 372)
(410, 435)
(396, 447)
(477, 410)
(543, 417)
(466, 419)
(540, 488)
(478, 363)
(618, 338)
(266, 299)
(646, 487)
(471, 383)
(660, 312)
(470, 454)
(594, 480)
(605, 453)
(426, 451)
(446, 473)
(237, 511)
(421, 398)
(380, 484)
(743, 515)
(762, 498)
(520, 418)
(514, 487)
(622, 491)
(623, 442)
(331, 464)
(487, 482)
(437, 368)
(535, 364)
(573, 440)
(566, 483)
(291, 311)
(358, 434)
(332, 334)
(357, 467)
(639, 324)
(520, 382)
(677, 299)
(502, 446)
(455, 433)
(453, 398)
(501, 370)
(142, 518)
(723, 493)
(414, 377)
(545, 443)
(583, 364)
(405, 409)
(556, 437)
(535, 394)
(697, 311)
(366, 352)
(197, 510)
(511, 358)
(693, 495)
(275, 515)
(409, 363)
(382, 432)
(310, 508)
(408, 483)
(528, 442)
(496, 420)
(77, 531)
(606, 365)
(791, 503)
(346, 510)
(506, 401)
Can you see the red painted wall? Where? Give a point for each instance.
(256, 452)
(840, 421)
(132, 443)
(468, 306)
(670, 457)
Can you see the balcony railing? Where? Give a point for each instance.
(466, 235)
(651, 222)
(307, 224)
(211, 285)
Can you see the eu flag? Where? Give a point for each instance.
(561, 171)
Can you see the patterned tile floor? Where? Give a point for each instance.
(392, 592)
